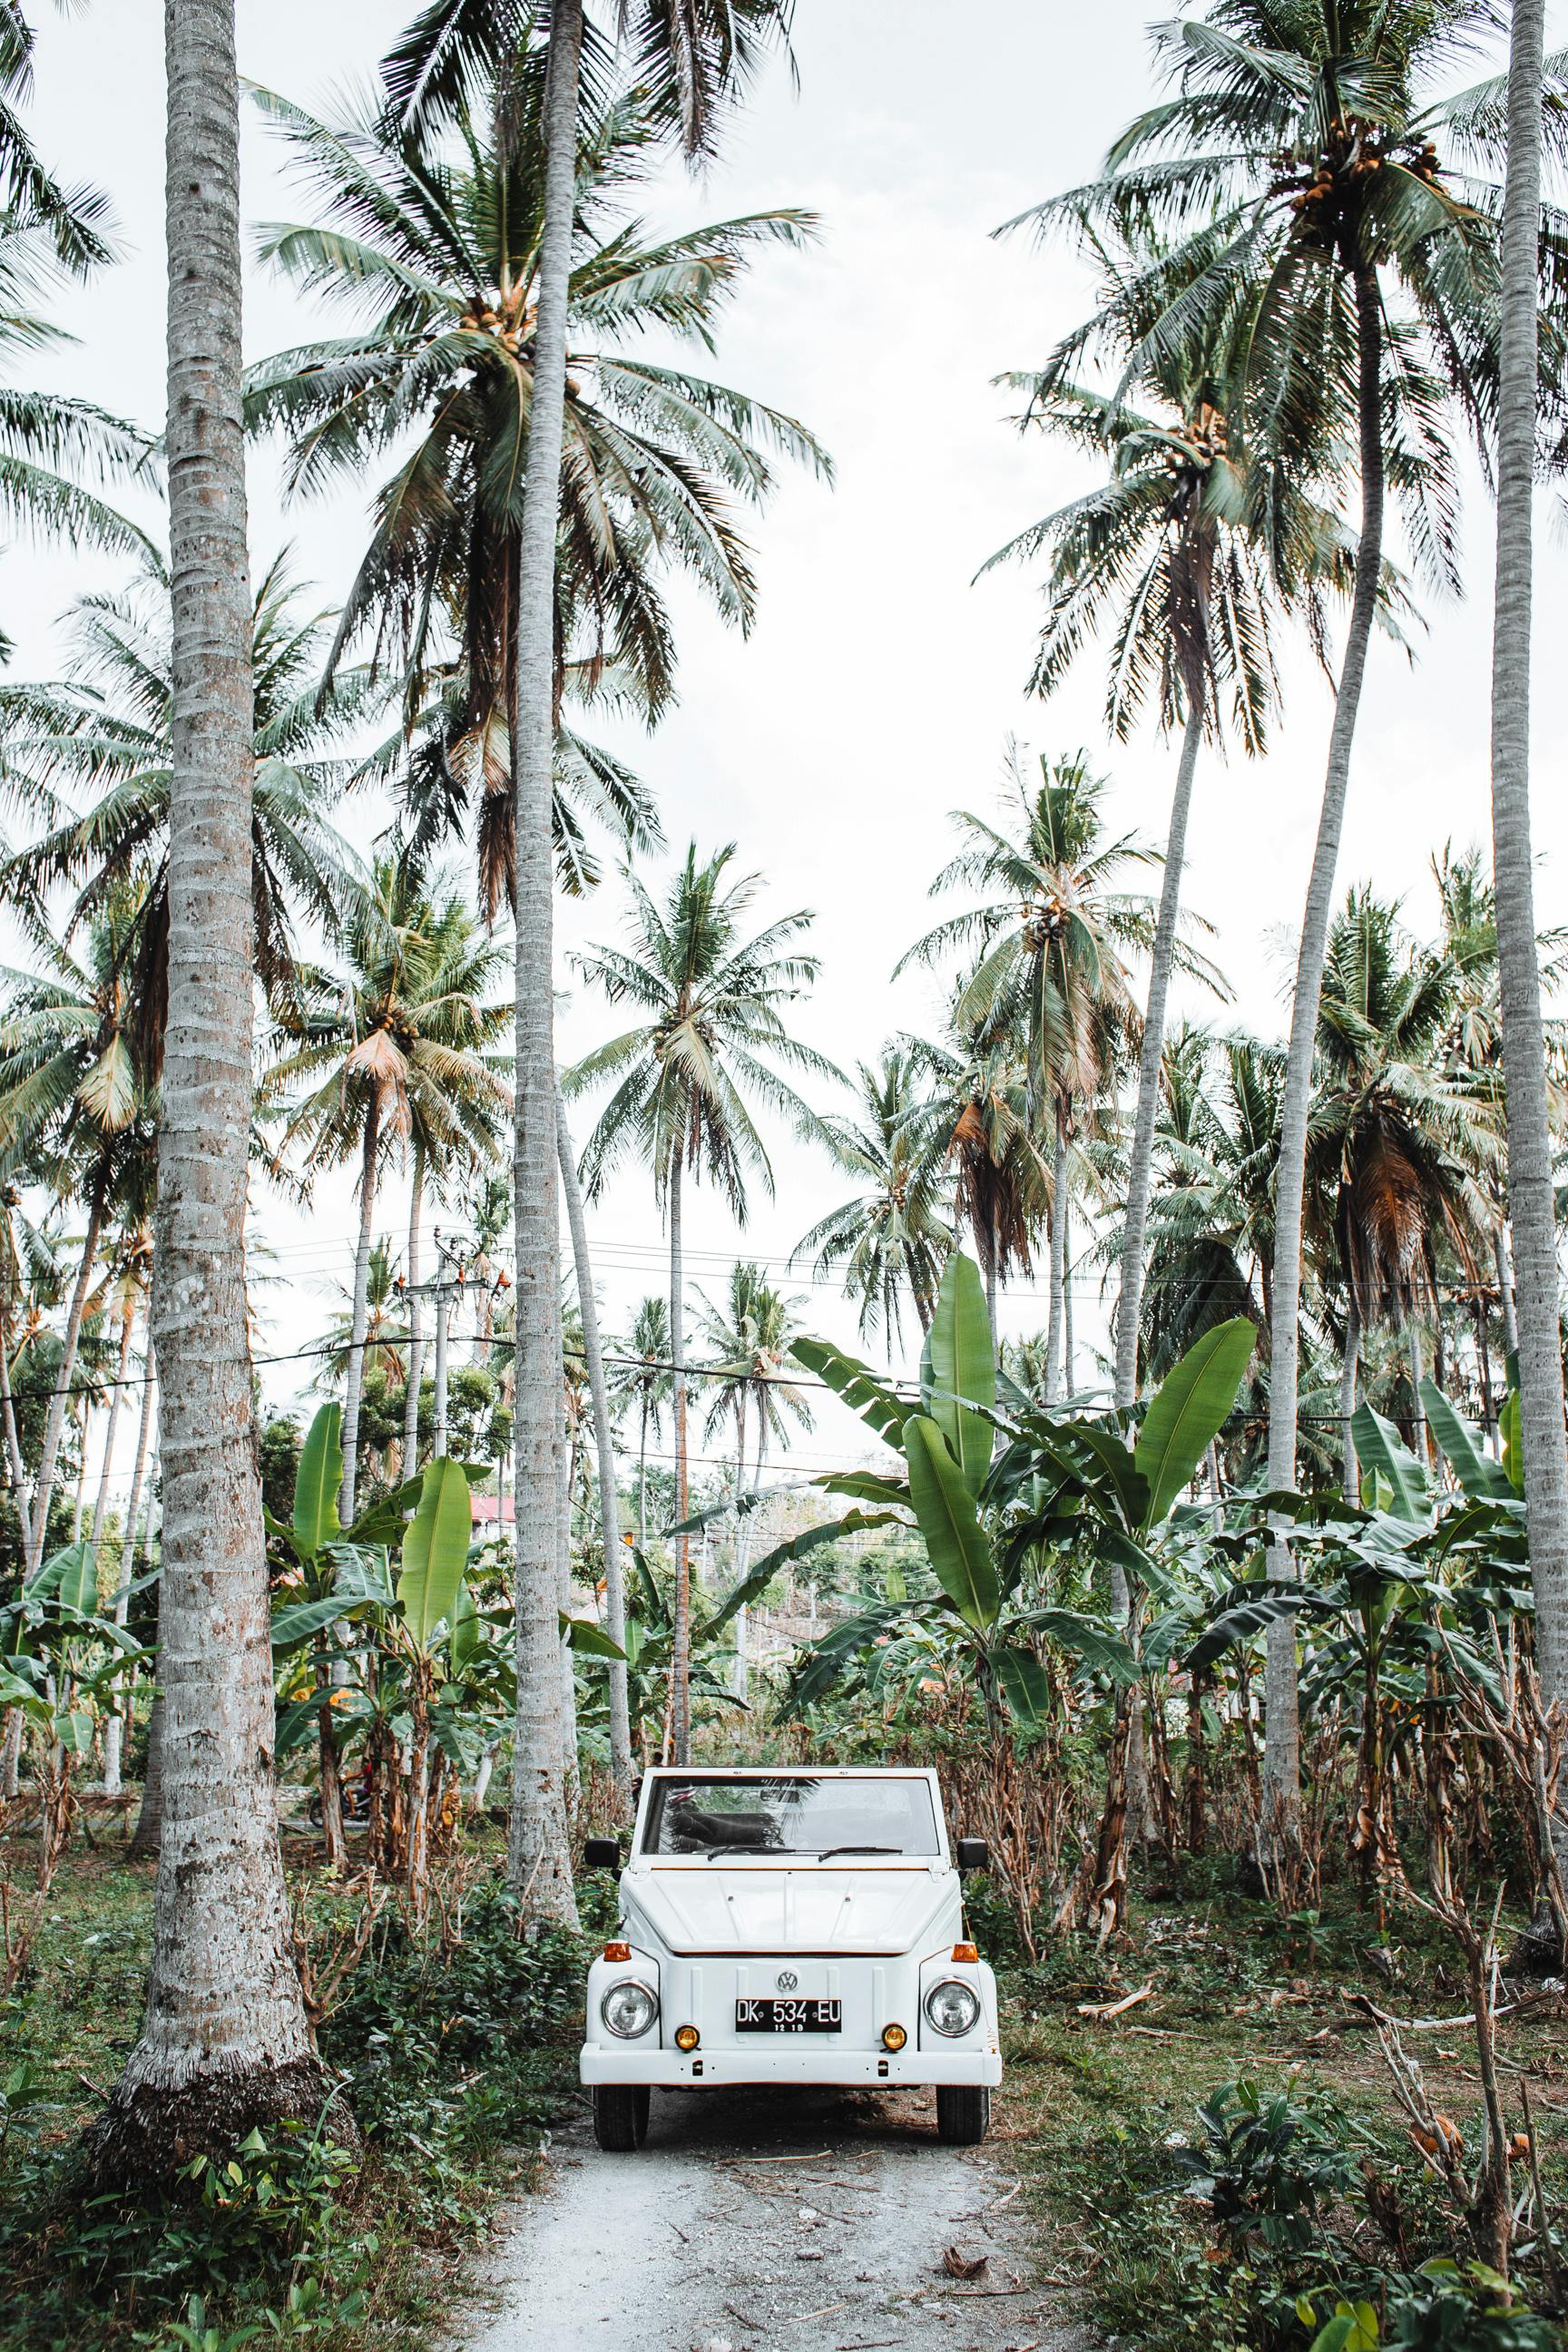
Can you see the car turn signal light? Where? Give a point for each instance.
(617, 1952)
(893, 2037)
(966, 1952)
(686, 2037)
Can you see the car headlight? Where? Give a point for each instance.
(629, 2008)
(951, 2007)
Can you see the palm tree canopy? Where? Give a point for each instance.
(1400, 1143)
(889, 1241)
(408, 1023)
(1308, 145)
(713, 1032)
(104, 737)
(1051, 942)
(638, 1364)
(441, 249)
(749, 1336)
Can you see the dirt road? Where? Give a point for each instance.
(757, 2221)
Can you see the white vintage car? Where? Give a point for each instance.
(787, 1925)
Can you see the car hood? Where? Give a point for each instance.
(801, 1910)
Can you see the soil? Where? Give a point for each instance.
(757, 2218)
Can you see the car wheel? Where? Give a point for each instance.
(620, 2116)
(962, 2113)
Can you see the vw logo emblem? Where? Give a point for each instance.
(787, 1980)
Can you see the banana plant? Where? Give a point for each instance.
(61, 1651)
(987, 1517)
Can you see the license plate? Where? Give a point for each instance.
(789, 2016)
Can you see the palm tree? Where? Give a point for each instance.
(973, 1115)
(640, 1378)
(892, 1239)
(1190, 558)
(1400, 1144)
(459, 51)
(225, 2045)
(75, 1098)
(712, 1034)
(1211, 1219)
(1323, 225)
(1050, 937)
(47, 439)
(405, 1033)
(108, 733)
(1529, 1159)
(29, 191)
(751, 1335)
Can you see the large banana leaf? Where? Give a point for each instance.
(1243, 1619)
(757, 1581)
(856, 1383)
(70, 1576)
(435, 1550)
(302, 1620)
(317, 1482)
(1093, 1644)
(1190, 1409)
(1483, 1479)
(963, 1361)
(1511, 1427)
(1382, 1450)
(956, 1544)
(588, 1640)
(1025, 1686)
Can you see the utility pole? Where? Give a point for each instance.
(447, 1284)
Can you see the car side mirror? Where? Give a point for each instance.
(973, 1854)
(602, 1854)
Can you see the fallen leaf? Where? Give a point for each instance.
(964, 2266)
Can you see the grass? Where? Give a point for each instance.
(1098, 2110)
(459, 2059)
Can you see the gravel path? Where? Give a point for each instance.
(762, 2221)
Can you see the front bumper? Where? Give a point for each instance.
(708, 2069)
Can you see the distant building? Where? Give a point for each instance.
(492, 1510)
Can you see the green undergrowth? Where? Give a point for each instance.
(1223, 2164)
(454, 2053)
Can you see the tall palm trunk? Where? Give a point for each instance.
(1058, 1267)
(742, 1683)
(115, 1729)
(54, 1425)
(538, 1860)
(1151, 1061)
(101, 1501)
(681, 1645)
(1283, 1726)
(1530, 1172)
(642, 1479)
(605, 1443)
(1067, 1299)
(1505, 1273)
(410, 1463)
(1349, 1366)
(224, 2044)
(16, 1468)
(359, 1321)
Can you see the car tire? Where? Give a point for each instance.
(620, 2116)
(962, 2113)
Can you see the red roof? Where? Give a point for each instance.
(492, 1510)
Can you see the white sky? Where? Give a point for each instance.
(880, 687)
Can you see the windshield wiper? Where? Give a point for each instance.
(715, 1851)
(832, 1850)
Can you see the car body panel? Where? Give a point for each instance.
(873, 1934)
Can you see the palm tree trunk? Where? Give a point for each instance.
(538, 1860)
(1349, 1363)
(224, 2044)
(359, 1322)
(1141, 1165)
(1058, 1268)
(605, 1442)
(1420, 1441)
(990, 1291)
(410, 1464)
(570, 1779)
(642, 1479)
(115, 1729)
(1530, 1172)
(100, 1502)
(48, 1457)
(1282, 1728)
(16, 1466)
(1506, 1292)
(1067, 1299)
(742, 1683)
(681, 1645)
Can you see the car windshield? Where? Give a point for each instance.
(715, 1813)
